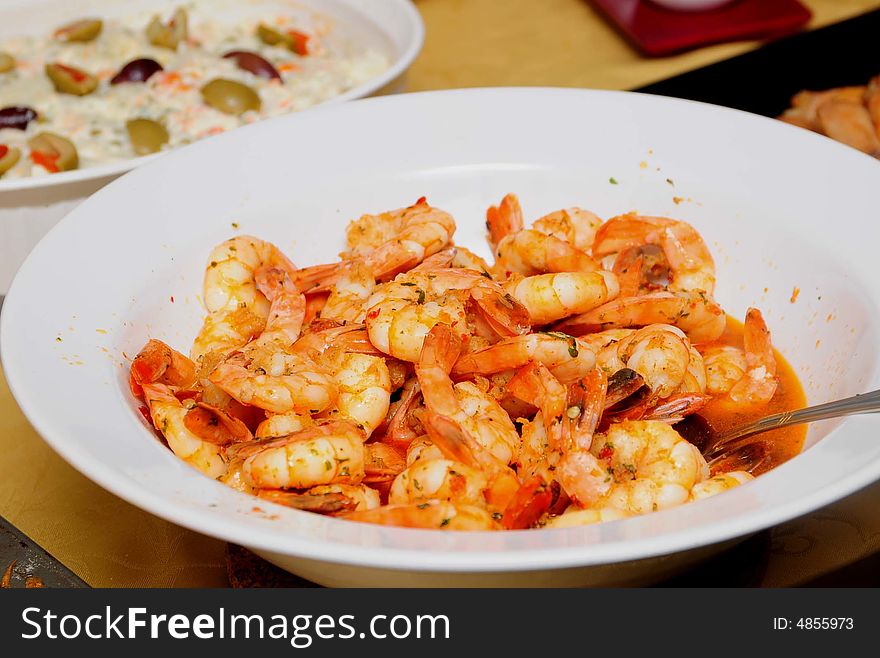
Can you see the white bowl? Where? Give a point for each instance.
(30, 206)
(779, 206)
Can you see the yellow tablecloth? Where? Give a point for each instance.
(469, 43)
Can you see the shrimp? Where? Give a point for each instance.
(437, 515)
(287, 309)
(660, 353)
(349, 294)
(383, 463)
(479, 415)
(573, 225)
(649, 465)
(700, 317)
(566, 356)
(557, 242)
(719, 483)
(438, 479)
(332, 499)
(399, 431)
(168, 415)
(574, 516)
(328, 453)
(421, 449)
(504, 219)
(758, 383)
(725, 366)
(551, 297)
(850, 123)
(403, 311)
(531, 252)
(690, 262)
(455, 257)
(230, 281)
(224, 332)
(390, 242)
(364, 390)
(159, 363)
(278, 382)
(283, 424)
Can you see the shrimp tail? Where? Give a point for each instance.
(528, 504)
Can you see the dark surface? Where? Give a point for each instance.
(31, 560)
(764, 80)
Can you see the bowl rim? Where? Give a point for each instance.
(334, 550)
(415, 41)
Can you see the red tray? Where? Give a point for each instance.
(656, 31)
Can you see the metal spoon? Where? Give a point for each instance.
(736, 439)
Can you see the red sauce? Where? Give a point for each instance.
(782, 444)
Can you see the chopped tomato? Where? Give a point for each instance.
(3, 150)
(48, 161)
(300, 42)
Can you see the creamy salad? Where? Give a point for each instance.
(111, 90)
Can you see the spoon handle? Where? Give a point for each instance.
(864, 403)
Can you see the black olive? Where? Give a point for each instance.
(17, 116)
(137, 70)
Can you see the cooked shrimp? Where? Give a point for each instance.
(389, 242)
(438, 479)
(719, 483)
(436, 515)
(759, 382)
(456, 257)
(364, 390)
(224, 332)
(556, 243)
(284, 424)
(551, 297)
(651, 467)
(383, 463)
(333, 499)
(479, 415)
(688, 256)
(278, 382)
(329, 453)
(230, 276)
(159, 363)
(421, 449)
(805, 104)
(504, 219)
(850, 123)
(566, 357)
(660, 353)
(725, 366)
(350, 292)
(168, 415)
(700, 317)
(573, 225)
(531, 252)
(403, 311)
(287, 309)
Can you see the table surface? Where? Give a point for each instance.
(469, 43)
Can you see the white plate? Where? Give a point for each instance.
(30, 206)
(779, 206)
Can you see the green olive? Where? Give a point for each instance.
(230, 96)
(7, 62)
(147, 136)
(53, 152)
(86, 29)
(294, 41)
(70, 80)
(170, 35)
(9, 155)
